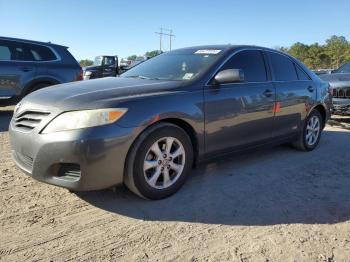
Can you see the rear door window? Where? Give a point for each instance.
(251, 62)
(283, 68)
(12, 50)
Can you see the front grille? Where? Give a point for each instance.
(341, 92)
(70, 172)
(29, 119)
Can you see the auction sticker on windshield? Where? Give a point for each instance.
(187, 76)
(208, 51)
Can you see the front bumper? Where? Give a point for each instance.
(341, 106)
(86, 76)
(96, 155)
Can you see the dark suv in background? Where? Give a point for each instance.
(26, 66)
(339, 80)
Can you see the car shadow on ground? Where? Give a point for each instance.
(265, 187)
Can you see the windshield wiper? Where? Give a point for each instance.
(139, 76)
(144, 77)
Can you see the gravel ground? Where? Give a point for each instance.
(269, 205)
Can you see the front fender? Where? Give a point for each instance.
(184, 106)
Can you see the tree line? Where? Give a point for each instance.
(88, 62)
(330, 55)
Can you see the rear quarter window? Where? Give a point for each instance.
(40, 53)
(301, 74)
(5, 53)
(283, 68)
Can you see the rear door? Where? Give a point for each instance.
(295, 94)
(16, 68)
(239, 114)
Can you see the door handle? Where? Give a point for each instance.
(268, 93)
(26, 69)
(310, 88)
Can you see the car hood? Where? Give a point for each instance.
(90, 68)
(105, 92)
(337, 80)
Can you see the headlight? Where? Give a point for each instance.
(87, 73)
(83, 119)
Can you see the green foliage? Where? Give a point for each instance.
(85, 62)
(332, 54)
(337, 47)
(148, 54)
(132, 57)
(153, 53)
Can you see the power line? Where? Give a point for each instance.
(169, 32)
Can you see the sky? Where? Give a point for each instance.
(127, 27)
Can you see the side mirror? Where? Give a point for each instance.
(229, 76)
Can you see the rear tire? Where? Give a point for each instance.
(311, 133)
(159, 162)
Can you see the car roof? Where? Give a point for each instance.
(223, 48)
(29, 41)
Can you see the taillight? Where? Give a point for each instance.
(80, 75)
(129, 62)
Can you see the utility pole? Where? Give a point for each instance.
(161, 33)
(160, 38)
(170, 37)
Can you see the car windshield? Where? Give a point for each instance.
(98, 61)
(173, 66)
(344, 68)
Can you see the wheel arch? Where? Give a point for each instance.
(185, 126)
(189, 130)
(37, 81)
(322, 109)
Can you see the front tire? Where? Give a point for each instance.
(159, 161)
(311, 134)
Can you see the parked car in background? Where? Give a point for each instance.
(126, 64)
(103, 66)
(322, 71)
(148, 126)
(26, 66)
(339, 81)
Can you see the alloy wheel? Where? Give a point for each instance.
(164, 162)
(313, 129)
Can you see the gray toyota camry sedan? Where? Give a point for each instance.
(149, 126)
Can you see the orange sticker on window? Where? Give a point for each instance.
(276, 107)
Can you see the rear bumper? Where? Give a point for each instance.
(95, 155)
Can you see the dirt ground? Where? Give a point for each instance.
(270, 205)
